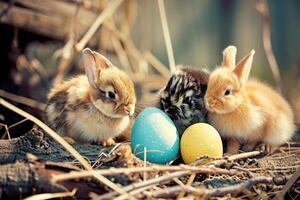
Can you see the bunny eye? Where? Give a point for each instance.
(227, 92)
(110, 95)
(187, 99)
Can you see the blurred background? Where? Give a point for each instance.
(41, 41)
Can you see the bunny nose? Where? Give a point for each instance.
(129, 111)
(132, 111)
(208, 103)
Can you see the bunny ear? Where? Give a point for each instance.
(93, 64)
(102, 61)
(243, 68)
(229, 57)
(90, 65)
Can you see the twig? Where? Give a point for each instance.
(121, 54)
(61, 141)
(67, 51)
(11, 126)
(6, 131)
(145, 164)
(62, 67)
(161, 68)
(162, 179)
(250, 174)
(249, 154)
(271, 168)
(134, 192)
(9, 6)
(53, 134)
(263, 8)
(134, 52)
(237, 157)
(221, 161)
(166, 33)
(65, 63)
(147, 183)
(111, 8)
(16, 124)
(189, 183)
(291, 181)
(23, 100)
(128, 43)
(51, 195)
(155, 168)
(233, 189)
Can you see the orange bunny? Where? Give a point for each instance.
(246, 112)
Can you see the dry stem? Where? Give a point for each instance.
(162, 179)
(67, 51)
(189, 183)
(65, 62)
(237, 157)
(164, 23)
(111, 8)
(51, 195)
(233, 189)
(289, 184)
(121, 54)
(61, 141)
(263, 9)
(23, 100)
(161, 68)
(128, 43)
(6, 131)
(155, 168)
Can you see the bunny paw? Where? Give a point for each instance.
(107, 142)
(249, 146)
(233, 146)
(69, 140)
(269, 149)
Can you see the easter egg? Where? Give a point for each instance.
(199, 140)
(155, 136)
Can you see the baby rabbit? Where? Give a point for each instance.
(95, 107)
(244, 111)
(183, 97)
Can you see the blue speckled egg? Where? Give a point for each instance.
(154, 130)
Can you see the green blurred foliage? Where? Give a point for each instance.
(201, 29)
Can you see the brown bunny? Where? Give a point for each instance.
(95, 107)
(246, 112)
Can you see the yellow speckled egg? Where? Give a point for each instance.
(199, 140)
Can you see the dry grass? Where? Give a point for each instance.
(243, 176)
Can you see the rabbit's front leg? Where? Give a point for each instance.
(69, 140)
(107, 142)
(249, 145)
(268, 148)
(233, 146)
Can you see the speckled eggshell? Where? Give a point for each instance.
(199, 140)
(154, 130)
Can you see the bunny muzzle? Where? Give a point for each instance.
(213, 105)
(125, 110)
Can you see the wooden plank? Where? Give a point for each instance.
(49, 22)
(51, 26)
(65, 9)
(52, 6)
